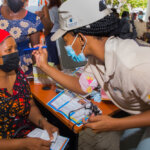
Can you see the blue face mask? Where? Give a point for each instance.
(140, 17)
(72, 54)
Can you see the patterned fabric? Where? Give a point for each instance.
(87, 82)
(15, 108)
(20, 30)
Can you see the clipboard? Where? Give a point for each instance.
(72, 106)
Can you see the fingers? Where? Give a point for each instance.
(50, 134)
(46, 143)
(84, 121)
(90, 125)
(55, 129)
(36, 52)
(37, 45)
(94, 118)
(92, 121)
(45, 52)
(40, 49)
(92, 115)
(52, 130)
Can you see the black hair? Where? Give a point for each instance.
(54, 3)
(114, 10)
(125, 14)
(108, 26)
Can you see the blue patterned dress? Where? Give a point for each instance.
(21, 29)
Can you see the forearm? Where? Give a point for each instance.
(46, 21)
(12, 144)
(67, 81)
(135, 121)
(35, 115)
(48, 25)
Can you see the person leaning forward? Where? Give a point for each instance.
(120, 66)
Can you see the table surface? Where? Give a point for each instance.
(44, 96)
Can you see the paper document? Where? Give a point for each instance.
(72, 106)
(58, 142)
(41, 77)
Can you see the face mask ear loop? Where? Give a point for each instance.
(84, 44)
(74, 40)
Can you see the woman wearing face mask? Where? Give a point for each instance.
(120, 66)
(17, 107)
(24, 26)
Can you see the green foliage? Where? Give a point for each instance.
(133, 3)
(116, 2)
(137, 3)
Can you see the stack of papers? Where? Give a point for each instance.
(72, 106)
(41, 77)
(58, 142)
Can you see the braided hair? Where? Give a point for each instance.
(106, 27)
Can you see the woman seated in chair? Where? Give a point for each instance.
(17, 108)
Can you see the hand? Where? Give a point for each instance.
(49, 128)
(40, 14)
(40, 56)
(35, 144)
(101, 123)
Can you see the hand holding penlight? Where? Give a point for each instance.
(35, 48)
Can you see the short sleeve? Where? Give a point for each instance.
(35, 24)
(53, 13)
(87, 80)
(38, 24)
(141, 81)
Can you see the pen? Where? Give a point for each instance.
(35, 48)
